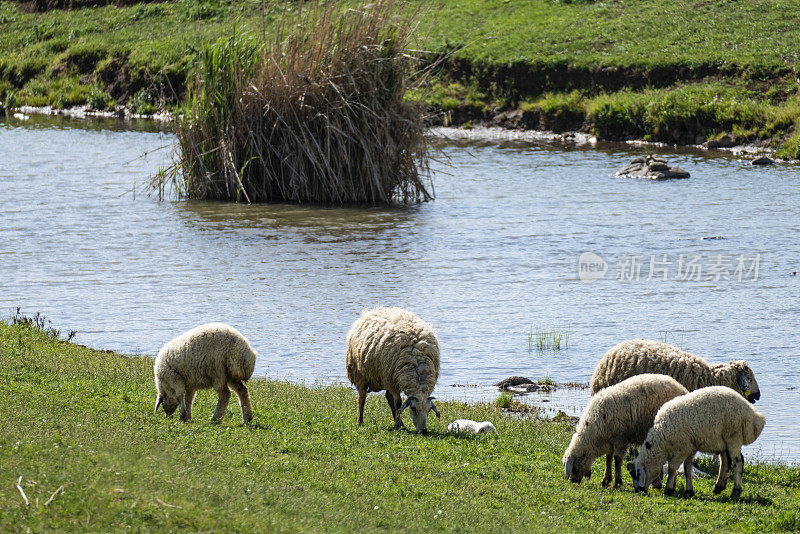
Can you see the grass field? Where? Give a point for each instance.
(666, 71)
(79, 430)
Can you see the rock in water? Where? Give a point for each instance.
(513, 381)
(763, 160)
(651, 168)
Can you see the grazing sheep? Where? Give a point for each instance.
(213, 355)
(639, 356)
(394, 350)
(615, 418)
(468, 426)
(713, 420)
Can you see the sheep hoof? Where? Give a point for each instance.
(617, 484)
(605, 482)
(669, 492)
(736, 493)
(688, 494)
(718, 489)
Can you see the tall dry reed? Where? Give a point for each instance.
(318, 115)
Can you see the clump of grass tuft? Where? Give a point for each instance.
(547, 339)
(504, 401)
(38, 321)
(317, 116)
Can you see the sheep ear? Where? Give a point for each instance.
(433, 407)
(159, 400)
(406, 404)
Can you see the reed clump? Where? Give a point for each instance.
(318, 115)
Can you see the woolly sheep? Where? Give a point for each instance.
(394, 350)
(713, 420)
(212, 355)
(468, 426)
(615, 418)
(638, 356)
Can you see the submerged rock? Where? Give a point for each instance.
(763, 160)
(651, 168)
(520, 384)
(513, 381)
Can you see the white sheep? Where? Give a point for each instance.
(468, 426)
(714, 420)
(394, 350)
(616, 418)
(213, 355)
(639, 356)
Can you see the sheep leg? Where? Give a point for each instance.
(687, 473)
(244, 399)
(722, 477)
(186, 415)
(618, 468)
(398, 403)
(607, 475)
(390, 400)
(737, 475)
(223, 396)
(672, 476)
(189, 402)
(362, 397)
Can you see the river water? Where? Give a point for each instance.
(494, 257)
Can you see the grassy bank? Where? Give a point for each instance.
(678, 72)
(81, 420)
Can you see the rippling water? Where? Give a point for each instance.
(495, 256)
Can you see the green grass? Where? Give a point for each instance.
(82, 419)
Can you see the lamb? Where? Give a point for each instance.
(211, 355)
(615, 418)
(394, 350)
(713, 420)
(638, 356)
(467, 426)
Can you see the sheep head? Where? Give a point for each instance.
(170, 404)
(577, 463)
(168, 397)
(746, 381)
(645, 469)
(420, 405)
(576, 469)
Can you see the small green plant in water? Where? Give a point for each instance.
(670, 338)
(547, 339)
